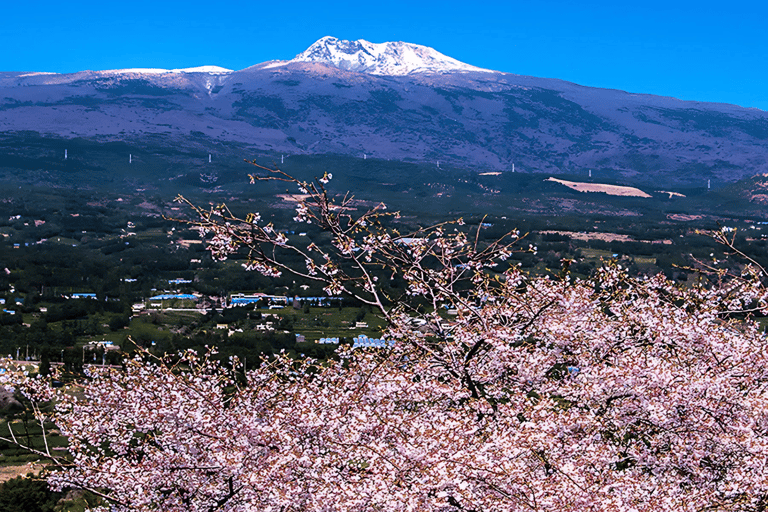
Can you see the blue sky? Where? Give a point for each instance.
(707, 51)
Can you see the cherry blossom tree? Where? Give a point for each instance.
(543, 393)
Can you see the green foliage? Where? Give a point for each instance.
(88, 248)
(27, 494)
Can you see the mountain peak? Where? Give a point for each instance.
(390, 58)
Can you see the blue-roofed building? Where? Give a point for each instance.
(320, 301)
(171, 296)
(363, 341)
(82, 296)
(240, 299)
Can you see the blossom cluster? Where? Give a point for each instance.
(542, 393)
(608, 394)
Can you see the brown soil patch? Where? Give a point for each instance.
(8, 472)
(187, 243)
(293, 198)
(759, 198)
(586, 237)
(684, 218)
(605, 237)
(611, 190)
(671, 194)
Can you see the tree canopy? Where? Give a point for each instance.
(540, 393)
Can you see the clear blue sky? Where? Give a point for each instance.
(708, 51)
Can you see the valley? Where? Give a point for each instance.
(123, 238)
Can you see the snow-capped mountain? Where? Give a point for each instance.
(393, 101)
(391, 58)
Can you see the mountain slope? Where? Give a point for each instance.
(389, 101)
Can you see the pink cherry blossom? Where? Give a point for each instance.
(614, 393)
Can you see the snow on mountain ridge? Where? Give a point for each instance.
(395, 58)
(390, 58)
(213, 70)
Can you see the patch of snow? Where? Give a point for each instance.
(391, 58)
(274, 64)
(213, 70)
(155, 71)
(36, 73)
